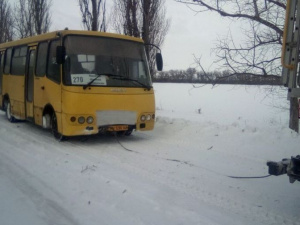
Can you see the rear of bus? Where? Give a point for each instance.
(106, 84)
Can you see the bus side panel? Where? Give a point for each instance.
(13, 86)
(46, 92)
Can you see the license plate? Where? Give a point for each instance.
(118, 128)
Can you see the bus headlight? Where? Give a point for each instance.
(143, 118)
(90, 120)
(81, 120)
(148, 117)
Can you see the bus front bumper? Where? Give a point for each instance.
(106, 121)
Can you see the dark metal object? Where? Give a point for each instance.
(291, 167)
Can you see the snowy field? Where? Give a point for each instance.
(176, 174)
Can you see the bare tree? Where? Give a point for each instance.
(155, 27)
(6, 22)
(41, 15)
(259, 53)
(24, 24)
(93, 14)
(127, 17)
(145, 19)
(32, 17)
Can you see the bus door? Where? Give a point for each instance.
(29, 81)
(1, 74)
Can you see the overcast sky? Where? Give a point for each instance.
(190, 33)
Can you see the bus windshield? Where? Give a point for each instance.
(100, 61)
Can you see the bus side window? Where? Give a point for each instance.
(19, 61)
(41, 59)
(8, 54)
(53, 71)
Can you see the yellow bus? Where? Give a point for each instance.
(78, 83)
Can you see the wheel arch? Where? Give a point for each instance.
(48, 119)
(48, 109)
(48, 112)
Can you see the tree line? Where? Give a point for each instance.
(191, 75)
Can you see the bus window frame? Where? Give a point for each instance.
(37, 57)
(48, 56)
(5, 61)
(29, 63)
(12, 57)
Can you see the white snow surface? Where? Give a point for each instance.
(175, 174)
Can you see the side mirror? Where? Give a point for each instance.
(60, 54)
(159, 62)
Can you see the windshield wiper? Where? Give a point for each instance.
(116, 77)
(92, 81)
(119, 77)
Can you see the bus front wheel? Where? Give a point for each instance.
(8, 114)
(54, 128)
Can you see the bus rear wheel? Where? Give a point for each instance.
(54, 128)
(8, 114)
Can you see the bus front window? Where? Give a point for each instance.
(109, 62)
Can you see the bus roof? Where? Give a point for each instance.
(55, 34)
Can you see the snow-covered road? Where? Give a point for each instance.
(176, 174)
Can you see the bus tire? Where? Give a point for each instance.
(8, 114)
(54, 128)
